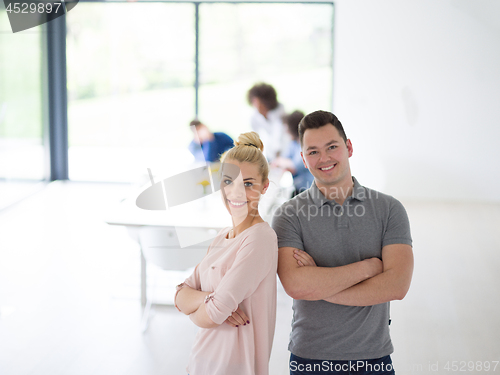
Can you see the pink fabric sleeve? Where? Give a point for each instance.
(253, 262)
(193, 281)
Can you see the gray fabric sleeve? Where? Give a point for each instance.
(286, 225)
(398, 226)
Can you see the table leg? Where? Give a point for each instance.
(143, 280)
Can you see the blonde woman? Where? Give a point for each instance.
(231, 294)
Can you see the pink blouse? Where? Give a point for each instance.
(239, 272)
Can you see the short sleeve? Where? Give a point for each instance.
(287, 227)
(256, 258)
(398, 226)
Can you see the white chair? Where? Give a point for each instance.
(160, 246)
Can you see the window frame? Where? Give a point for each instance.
(55, 123)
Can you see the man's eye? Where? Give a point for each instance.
(332, 147)
(312, 153)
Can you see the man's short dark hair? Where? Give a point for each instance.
(316, 120)
(195, 123)
(265, 93)
(292, 121)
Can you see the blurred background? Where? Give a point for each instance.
(415, 84)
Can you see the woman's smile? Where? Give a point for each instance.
(236, 204)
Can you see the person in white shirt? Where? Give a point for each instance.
(267, 119)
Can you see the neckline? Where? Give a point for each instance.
(250, 227)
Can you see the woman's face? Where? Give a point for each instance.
(241, 186)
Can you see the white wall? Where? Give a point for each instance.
(417, 87)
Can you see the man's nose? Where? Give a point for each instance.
(323, 157)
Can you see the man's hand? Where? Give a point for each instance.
(375, 266)
(238, 318)
(303, 258)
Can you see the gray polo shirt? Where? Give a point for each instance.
(336, 235)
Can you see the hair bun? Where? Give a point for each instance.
(250, 139)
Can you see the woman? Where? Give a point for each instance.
(231, 294)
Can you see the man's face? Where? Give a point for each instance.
(200, 133)
(326, 155)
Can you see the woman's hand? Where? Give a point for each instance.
(238, 318)
(303, 258)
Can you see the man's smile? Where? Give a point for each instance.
(327, 168)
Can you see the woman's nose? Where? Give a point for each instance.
(239, 190)
(234, 190)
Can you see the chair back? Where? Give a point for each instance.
(160, 246)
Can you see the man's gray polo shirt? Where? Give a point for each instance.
(336, 235)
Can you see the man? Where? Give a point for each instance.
(208, 146)
(267, 119)
(344, 253)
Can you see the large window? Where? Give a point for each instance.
(136, 69)
(130, 87)
(286, 45)
(21, 141)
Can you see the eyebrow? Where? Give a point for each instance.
(246, 179)
(328, 144)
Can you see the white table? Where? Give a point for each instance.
(193, 222)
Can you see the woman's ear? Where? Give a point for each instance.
(266, 185)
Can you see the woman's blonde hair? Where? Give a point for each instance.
(248, 148)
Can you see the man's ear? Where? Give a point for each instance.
(303, 160)
(349, 147)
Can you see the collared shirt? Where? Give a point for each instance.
(336, 235)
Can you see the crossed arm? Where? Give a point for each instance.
(255, 259)
(192, 302)
(365, 283)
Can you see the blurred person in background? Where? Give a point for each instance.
(208, 146)
(291, 159)
(267, 119)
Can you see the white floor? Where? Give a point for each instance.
(69, 292)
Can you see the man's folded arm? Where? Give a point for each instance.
(392, 284)
(317, 283)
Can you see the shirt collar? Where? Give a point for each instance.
(358, 192)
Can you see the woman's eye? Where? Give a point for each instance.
(248, 184)
(228, 182)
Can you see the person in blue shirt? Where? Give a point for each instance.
(291, 159)
(208, 146)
